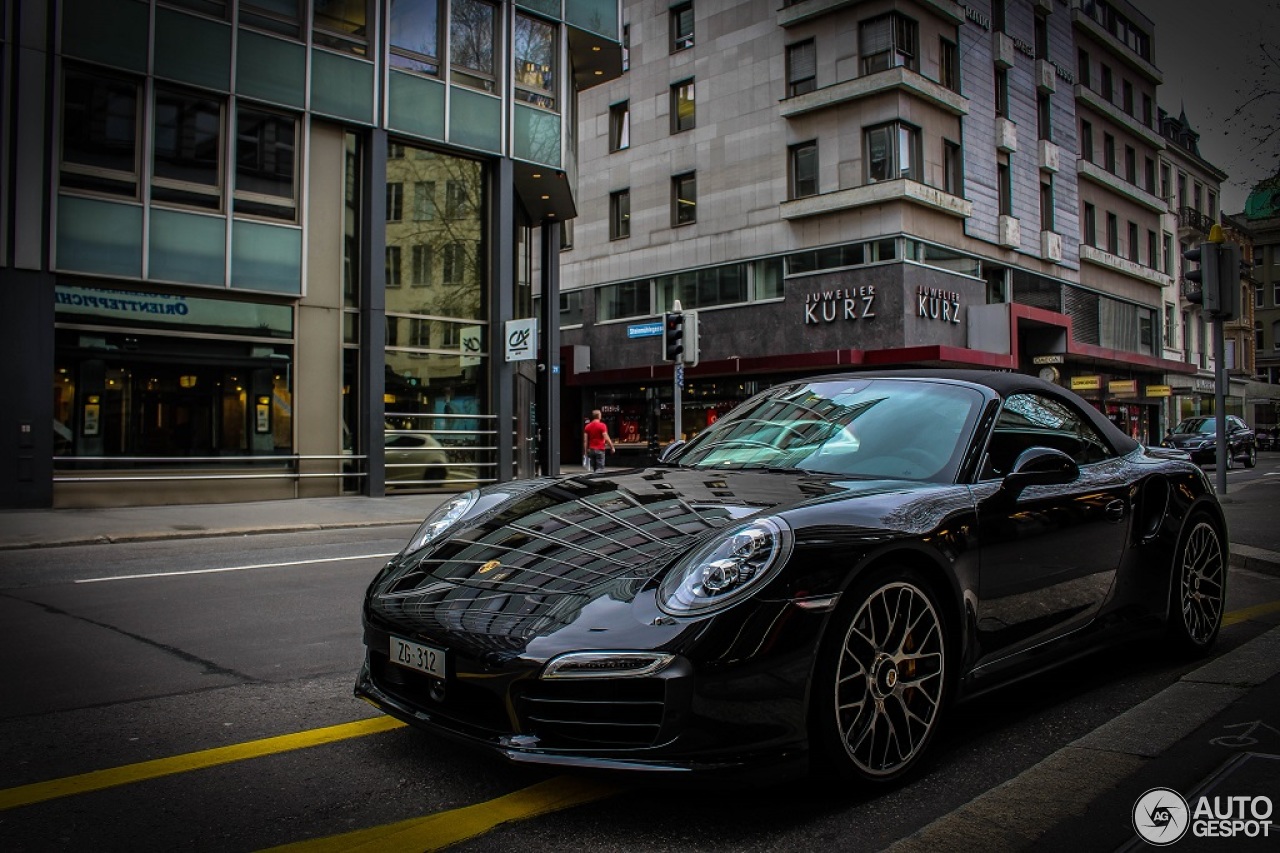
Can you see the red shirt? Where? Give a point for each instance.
(595, 432)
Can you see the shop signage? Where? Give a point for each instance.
(140, 309)
(978, 17)
(644, 330)
(1123, 386)
(1086, 383)
(1203, 386)
(522, 339)
(1048, 359)
(933, 303)
(1159, 391)
(850, 303)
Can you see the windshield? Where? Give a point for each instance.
(898, 428)
(1196, 425)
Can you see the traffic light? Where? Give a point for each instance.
(1231, 269)
(691, 338)
(673, 336)
(1205, 278)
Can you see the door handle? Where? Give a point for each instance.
(1114, 510)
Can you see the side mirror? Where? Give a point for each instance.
(669, 451)
(1041, 466)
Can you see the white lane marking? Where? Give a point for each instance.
(236, 568)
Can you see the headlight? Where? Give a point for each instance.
(442, 519)
(725, 569)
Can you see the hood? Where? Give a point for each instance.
(1190, 439)
(555, 548)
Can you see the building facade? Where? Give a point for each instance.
(271, 248)
(837, 185)
(1261, 217)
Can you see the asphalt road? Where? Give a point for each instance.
(226, 665)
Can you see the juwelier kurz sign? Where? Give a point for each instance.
(934, 303)
(849, 303)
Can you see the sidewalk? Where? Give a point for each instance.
(42, 528)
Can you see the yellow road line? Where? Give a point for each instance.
(1248, 613)
(99, 779)
(438, 831)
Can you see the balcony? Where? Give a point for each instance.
(891, 79)
(807, 10)
(1051, 246)
(1095, 101)
(911, 192)
(1190, 219)
(1002, 50)
(1010, 234)
(1046, 76)
(1094, 255)
(1093, 172)
(1050, 156)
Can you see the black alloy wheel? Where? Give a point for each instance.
(883, 679)
(1251, 456)
(1199, 587)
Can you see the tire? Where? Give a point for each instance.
(1251, 456)
(1198, 588)
(1231, 459)
(883, 680)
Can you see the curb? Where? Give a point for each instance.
(167, 535)
(1255, 559)
(1016, 814)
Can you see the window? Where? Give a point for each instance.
(100, 134)
(421, 274)
(457, 201)
(424, 201)
(681, 26)
(683, 107)
(1086, 140)
(1090, 225)
(1002, 93)
(570, 308)
(892, 152)
(1257, 335)
(395, 201)
(949, 65)
(265, 164)
(1134, 254)
(1167, 241)
(952, 164)
(620, 214)
(628, 299)
(1164, 182)
(888, 41)
(1044, 115)
(1041, 37)
(414, 35)
(1259, 299)
(1113, 234)
(393, 266)
(1213, 206)
(802, 68)
(1146, 110)
(998, 16)
(1149, 173)
(1035, 420)
(626, 47)
(279, 16)
(535, 61)
(1004, 185)
(1082, 67)
(455, 263)
(1153, 250)
(1047, 219)
(472, 24)
(804, 169)
(1109, 152)
(1131, 165)
(620, 126)
(1170, 324)
(1182, 190)
(342, 24)
(684, 199)
(187, 162)
(1108, 84)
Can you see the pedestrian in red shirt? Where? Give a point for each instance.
(595, 438)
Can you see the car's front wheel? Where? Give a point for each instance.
(1199, 587)
(1251, 456)
(883, 679)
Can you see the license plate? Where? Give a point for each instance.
(417, 656)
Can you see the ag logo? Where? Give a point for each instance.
(488, 567)
(1161, 816)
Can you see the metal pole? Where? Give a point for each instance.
(1220, 403)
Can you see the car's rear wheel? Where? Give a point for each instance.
(1199, 586)
(883, 679)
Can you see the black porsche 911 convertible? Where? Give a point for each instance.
(811, 582)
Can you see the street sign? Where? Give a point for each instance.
(644, 330)
(522, 339)
(680, 374)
